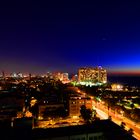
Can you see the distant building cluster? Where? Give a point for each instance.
(86, 76)
(16, 75)
(64, 77)
(116, 87)
(92, 75)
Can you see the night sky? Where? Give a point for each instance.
(41, 36)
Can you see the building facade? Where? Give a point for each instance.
(75, 104)
(64, 77)
(93, 75)
(98, 130)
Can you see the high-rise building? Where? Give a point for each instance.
(64, 77)
(102, 74)
(16, 75)
(92, 75)
(58, 76)
(74, 78)
(3, 74)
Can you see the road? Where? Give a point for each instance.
(103, 114)
(117, 118)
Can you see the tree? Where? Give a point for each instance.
(123, 125)
(94, 113)
(34, 110)
(135, 114)
(86, 113)
(130, 131)
(132, 106)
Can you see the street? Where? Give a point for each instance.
(117, 118)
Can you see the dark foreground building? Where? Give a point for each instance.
(98, 130)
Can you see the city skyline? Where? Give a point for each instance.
(37, 37)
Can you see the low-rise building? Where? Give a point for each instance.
(98, 130)
(44, 108)
(75, 104)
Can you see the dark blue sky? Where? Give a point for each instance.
(41, 36)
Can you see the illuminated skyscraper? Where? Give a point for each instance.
(87, 75)
(92, 75)
(102, 74)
